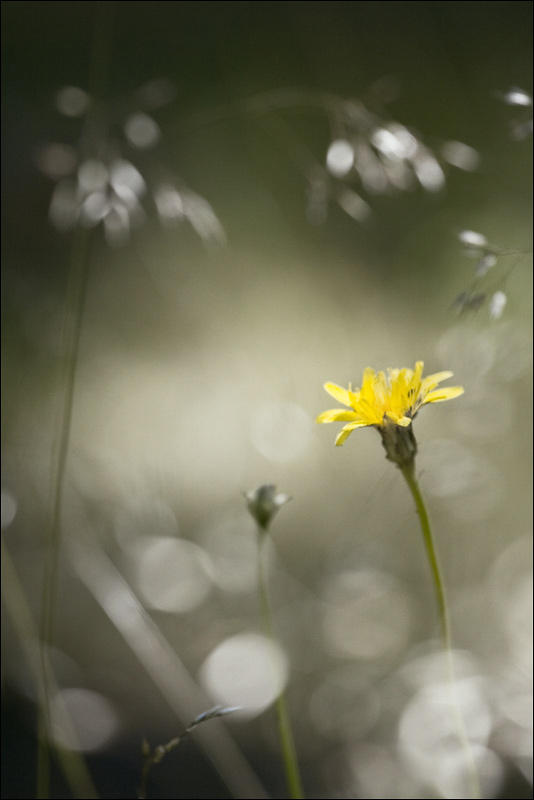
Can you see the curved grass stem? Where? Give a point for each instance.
(408, 471)
(72, 325)
(18, 610)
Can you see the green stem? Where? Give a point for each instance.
(72, 326)
(408, 471)
(284, 726)
(21, 617)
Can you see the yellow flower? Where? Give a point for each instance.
(389, 404)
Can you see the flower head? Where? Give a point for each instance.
(389, 404)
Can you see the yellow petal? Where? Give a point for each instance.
(431, 381)
(369, 411)
(419, 369)
(337, 415)
(340, 394)
(440, 376)
(346, 432)
(404, 422)
(447, 393)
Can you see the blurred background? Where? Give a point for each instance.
(271, 195)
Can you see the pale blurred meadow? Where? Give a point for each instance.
(242, 264)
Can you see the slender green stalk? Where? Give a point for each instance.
(284, 726)
(408, 471)
(72, 326)
(17, 607)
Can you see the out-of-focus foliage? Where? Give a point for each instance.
(341, 237)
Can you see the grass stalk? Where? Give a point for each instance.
(289, 754)
(72, 325)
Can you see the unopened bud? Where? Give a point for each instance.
(263, 503)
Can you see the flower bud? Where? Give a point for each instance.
(263, 503)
